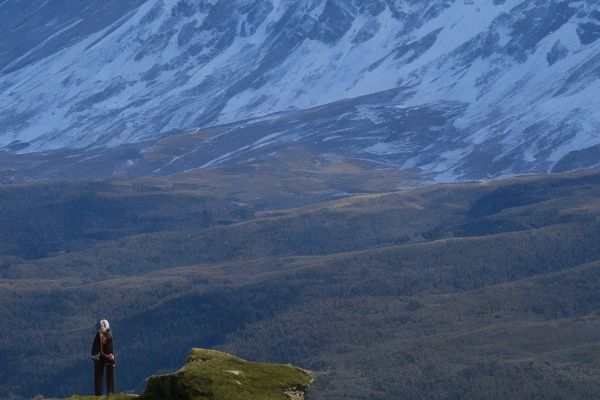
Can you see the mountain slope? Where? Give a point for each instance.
(449, 291)
(524, 71)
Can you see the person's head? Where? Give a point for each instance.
(104, 326)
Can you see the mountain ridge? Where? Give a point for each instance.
(525, 73)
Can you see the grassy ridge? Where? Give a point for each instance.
(213, 375)
(111, 397)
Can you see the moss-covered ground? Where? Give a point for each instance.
(111, 397)
(213, 375)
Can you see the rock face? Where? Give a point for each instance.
(212, 375)
(107, 73)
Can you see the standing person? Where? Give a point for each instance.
(104, 357)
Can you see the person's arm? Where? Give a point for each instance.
(110, 345)
(96, 345)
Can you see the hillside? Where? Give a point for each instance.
(446, 291)
(402, 196)
(450, 88)
(213, 375)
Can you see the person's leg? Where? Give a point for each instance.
(98, 372)
(110, 379)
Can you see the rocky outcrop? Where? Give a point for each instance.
(212, 375)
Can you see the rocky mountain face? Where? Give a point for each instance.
(518, 78)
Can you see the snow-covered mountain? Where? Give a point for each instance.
(520, 78)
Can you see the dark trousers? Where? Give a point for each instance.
(99, 367)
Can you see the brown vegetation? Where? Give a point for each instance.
(482, 290)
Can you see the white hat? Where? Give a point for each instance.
(104, 325)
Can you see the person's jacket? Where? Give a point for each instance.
(108, 347)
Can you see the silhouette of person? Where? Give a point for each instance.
(104, 358)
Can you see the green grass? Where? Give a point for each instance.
(213, 375)
(111, 397)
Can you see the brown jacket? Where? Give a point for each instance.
(107, 346)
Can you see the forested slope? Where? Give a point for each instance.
(479, 290)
